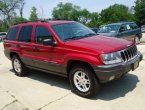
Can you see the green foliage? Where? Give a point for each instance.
(3, 26)
(140, 11)
(33, 15)
(18, 20)
(116, 13)
(8, 9)
(68, 11)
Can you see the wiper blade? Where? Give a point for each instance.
(71, 38)
(90, 34)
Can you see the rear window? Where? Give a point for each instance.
(12, 34)
(25, 34)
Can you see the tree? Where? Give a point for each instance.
(94, 20)
(66, 11)
(33, 15)
(84, 16)
(140, 11)
(8, 8)
(22, 8)
(3, 26)
(116, 13)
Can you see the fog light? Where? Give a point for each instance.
(111, 78)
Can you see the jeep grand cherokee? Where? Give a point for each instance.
(72, 50)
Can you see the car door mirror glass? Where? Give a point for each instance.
(49, 42)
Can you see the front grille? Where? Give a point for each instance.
(129, 53)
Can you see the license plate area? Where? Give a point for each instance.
(135, 65)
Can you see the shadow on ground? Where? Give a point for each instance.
(118, 88)
(109, 91)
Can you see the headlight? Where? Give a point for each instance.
(111, 58)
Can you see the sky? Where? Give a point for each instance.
(45, 7)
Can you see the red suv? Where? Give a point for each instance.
(72, 50)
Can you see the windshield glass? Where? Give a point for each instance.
(70, 31)
(109, 29)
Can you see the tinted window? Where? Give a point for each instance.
(12, 33)
(123, 28)
(42, 33)
(25, 34)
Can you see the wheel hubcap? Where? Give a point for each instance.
(81, 81)
(17, 65)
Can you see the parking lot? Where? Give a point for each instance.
(41, 91)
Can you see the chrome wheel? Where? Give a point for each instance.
(81, 81)
(17, 65)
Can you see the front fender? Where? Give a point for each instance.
(93, 60)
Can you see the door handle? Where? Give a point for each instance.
(36, 49)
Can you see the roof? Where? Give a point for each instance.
(120, 23)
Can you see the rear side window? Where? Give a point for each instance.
(42, 33)
(25, 34)
(12, 34)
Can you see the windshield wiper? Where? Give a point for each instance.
(90, 34)
(79, 37)
(71, 38)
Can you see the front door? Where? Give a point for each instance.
(43, 54)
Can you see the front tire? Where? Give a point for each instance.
(83, 81)
(18, 66)
(137, 40)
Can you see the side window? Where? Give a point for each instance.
(134, 26)
(123, 28)
(25, 34)
(12, 34)
(42, 33)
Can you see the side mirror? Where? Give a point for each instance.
(49, 42)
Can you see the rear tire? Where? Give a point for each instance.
(18, 66)
(83, 81)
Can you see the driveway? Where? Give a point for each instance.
(42, 91)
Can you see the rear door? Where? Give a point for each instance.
(25, 46)
(127, 33)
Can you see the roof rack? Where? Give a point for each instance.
(31, 21)
(41, 20)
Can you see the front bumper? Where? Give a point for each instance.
(109, 72)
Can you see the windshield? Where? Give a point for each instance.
(71, 31)
(109, 29)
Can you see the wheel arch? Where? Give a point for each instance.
(73, 63)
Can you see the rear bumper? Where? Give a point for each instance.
(110, 72)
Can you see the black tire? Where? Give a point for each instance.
(94, 84)
(137, 40)
(23, 70)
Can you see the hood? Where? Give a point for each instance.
(108, 34)
(101, 43)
